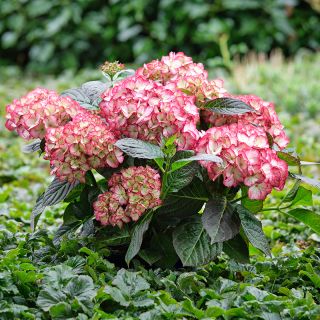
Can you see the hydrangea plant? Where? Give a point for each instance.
(161, 164)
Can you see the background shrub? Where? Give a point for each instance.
(50, 35)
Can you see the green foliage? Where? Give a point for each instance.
(54, 35)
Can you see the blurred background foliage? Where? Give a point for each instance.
(53, 35)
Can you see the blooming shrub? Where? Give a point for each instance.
(165, 165)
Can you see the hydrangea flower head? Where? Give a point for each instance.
(247, 159)
(31, 115)
(144, 109)
(82, 144)
(111, 68)
(190, 77)
(131, 193)
(265, 117)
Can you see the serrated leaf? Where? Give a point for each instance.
(237, 249)
(32, 147)
(139, 149)
(36, 212)
(228, 106)
(139, 230)
(202, 157)
(182, 177)
(192, 243)
(252, 227)
(311, 182)
(308, 217)
(57, 191)
(81, 287)
(219, 219)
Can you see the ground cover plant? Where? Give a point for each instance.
(288, 269)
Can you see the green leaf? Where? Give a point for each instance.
(182, 177)
(311, 274)
(130, 283)
(253, 206)
(112, 236)
(228, 106)
(36, 212)
(57, 191)
(202, 157)
(139, 149)
(32, 147)
(308, 217)
(292, 193)
(252, 227)
(237, 249)
(192, 243)
(49, 297)
(181, 205)
(311, 182)
(219, 219)
(61, 310)
(150, 256)
(302, 197)
(141, 226)
(290, 159)
(81, 287)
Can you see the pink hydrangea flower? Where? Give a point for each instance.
(144, 109)
(265, 116)
(131, 193)
(189, 77)
(82, 144)
(40, 109)
(247, 159)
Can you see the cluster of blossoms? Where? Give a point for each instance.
(82, 144)
(131, 192)
(264, 116)
(189, 77)
(40, 109)
(144, 109)
(247, 158)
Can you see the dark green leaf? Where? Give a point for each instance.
(237, 249)
(252, 227)
(112, 236)
(192, 243)
(139, 149)
(292, 193)
(57, 191)
(219, 220)
(228, 106)
(290, 159)
(36, 212)
(141, 226)
(308, 217)
(202, 157)
(32, 147)
(182, 177)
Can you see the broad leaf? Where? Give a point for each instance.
(181, 177)
(49, 297)
(192, 243)
(290, 159)
(203, 157)
(112, 236)
(308, 217)
(141, 226)
(57, 191)
(219, 219)
(312, 182)
(293, 191)
(228, 106)
(32, 147)
(36, 212)
(237, 249)
(252, 227)
(139, 149)
(181, 205)
(302, 197)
